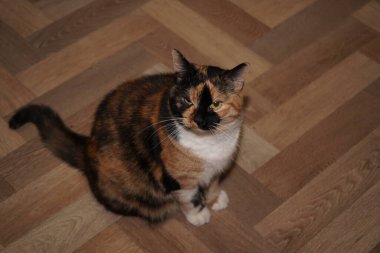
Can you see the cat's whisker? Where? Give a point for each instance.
(168, 125)
(173, 130)
(160, 122)
(228, 136)
(167, 122)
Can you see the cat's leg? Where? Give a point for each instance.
(193, 206)
(216, 197)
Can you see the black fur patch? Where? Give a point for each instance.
(63, 142)
(199, 199)
(169, 182)
(213, 71)
(104, 137)
(205, 117)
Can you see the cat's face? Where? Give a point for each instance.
(206, 97)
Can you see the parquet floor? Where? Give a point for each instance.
(308, 175)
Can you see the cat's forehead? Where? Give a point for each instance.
(208, 84)
(209, 76)
(196, 92)
(209, 72)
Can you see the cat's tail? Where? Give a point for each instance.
(63, 142)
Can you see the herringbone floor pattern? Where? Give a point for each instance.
(307, 177)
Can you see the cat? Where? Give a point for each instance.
(159, 144)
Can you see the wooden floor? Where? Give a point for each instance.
(308, 175)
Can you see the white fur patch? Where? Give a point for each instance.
(221, 202)
(198, 218)
(216, 150)
(185, 195)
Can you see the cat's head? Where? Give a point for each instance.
(206, 97)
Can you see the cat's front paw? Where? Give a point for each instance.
(199, 218)
(221, 202)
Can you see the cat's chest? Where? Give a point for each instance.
(215, 150)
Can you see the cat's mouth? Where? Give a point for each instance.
(198, 128)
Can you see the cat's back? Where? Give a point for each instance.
(147, 85)
(134, 96)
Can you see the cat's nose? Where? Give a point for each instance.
(202, 124)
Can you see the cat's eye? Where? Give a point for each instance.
(187, 101)
(216, 105)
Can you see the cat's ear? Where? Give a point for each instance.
(235, 77)
(181, 65)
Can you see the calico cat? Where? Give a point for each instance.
(158, 144)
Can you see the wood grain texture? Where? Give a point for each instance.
(299, 218)
(178, 18)
(23, 16)
(273, 12)
(112, 239)
(306, 178)
(250, 158)
(370, 15)
(80, 23)
(9, 140)
(320, 98)
(15, 53)
(304, 28)
(50, 193)
(66, 230)
(92, 49)
(162, 41)
(241, 187)
(376, 248)
(56, 9)
(235, 22)
(372, 49)
(13, 94)
(285, 175)
(106, 75)
(366, 227)
(311, 62)
(166, 237)
(6, 189)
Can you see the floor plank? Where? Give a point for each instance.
(13, 94)
(112, 239)
(249, 28)
(178, 18)
(372, 49)
(250, 158)
(304, 28)
(306, 176)
(250, 201)
(23, 17)
(9, 140)
(272, 12)
(299, 218)
(316, 101)
(161, 42)
(66, 230)
(80, 23)
(361, 234)
(57, 9)
(15, 53)
(284, 80)
(166, 237)
(66, 64)
(370, 15)
(39, 200)
(6, 190)
(296, 165)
